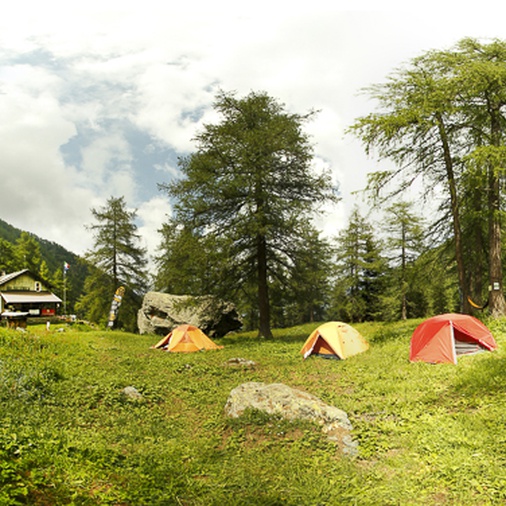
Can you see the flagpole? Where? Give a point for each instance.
(65, 269)
(64, 291)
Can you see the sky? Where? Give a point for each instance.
(99, 99)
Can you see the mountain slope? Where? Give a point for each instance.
(55, 256)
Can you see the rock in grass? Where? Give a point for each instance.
(132, 393)
(292, 404)
(240, 363)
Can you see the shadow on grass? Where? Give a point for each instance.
(483, 377)
(289, 335)
(382, 332)
(373, 332)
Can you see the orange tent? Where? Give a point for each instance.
(186, 339)
(334, 340)
(444, 337)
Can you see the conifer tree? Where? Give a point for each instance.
(118, 260)
(250, 186)
(27, 253)
(7, 256)
(442, 120)
(404, 242)
(360, 272)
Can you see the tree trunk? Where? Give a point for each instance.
(264, 328)
(457, 230)
(497, 303)
(404, 309)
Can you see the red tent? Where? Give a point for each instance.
(444, 337)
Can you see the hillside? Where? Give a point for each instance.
(427, 434)
(52, 253)
(54, 256)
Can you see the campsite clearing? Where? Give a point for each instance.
(69, 435)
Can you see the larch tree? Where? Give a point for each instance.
(440, 118)
(360, 269)
(404, 242)
(189, 263)
(310, 280)
(118, 260)
(481, 76)
(251, 183)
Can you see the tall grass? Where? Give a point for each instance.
(69, 435)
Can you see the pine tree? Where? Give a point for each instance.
(7, 256)
(189, 263)
(118, 260)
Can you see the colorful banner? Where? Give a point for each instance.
(116, 303)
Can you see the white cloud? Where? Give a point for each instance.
(152, 215)
(79, 82)
(167, 102)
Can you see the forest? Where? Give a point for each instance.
(247, 198)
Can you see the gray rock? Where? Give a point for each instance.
(132, 393)
(161, 312)
(240, 363)
(292, 404)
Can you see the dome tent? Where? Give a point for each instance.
(334, 340)
(186, 339)
(444, 337)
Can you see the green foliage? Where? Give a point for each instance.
(360, 273)
(96, 300)
(7, 256)
(247, 192)
(189, 263)
(404, 232)
(116, 250)
(118, 260)
(69, 435)
(51, 256)
(27, 252)
(441, 120)
(303, 293)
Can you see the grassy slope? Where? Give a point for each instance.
(428, 434)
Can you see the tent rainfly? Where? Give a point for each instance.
(334, 340)
(186, 339)
(444, 337)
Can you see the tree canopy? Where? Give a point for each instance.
(442, 120)
(116, 259)
(251, 186)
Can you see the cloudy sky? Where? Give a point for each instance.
(98, 99)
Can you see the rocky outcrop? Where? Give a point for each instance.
(279, 399)
(161, 312)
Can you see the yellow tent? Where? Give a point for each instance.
(186, 339)
(334, 340)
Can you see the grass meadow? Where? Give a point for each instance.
(427, 434)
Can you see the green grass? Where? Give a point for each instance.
(68, 435)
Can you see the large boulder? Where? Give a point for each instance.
(161, 312)
(280, 399)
